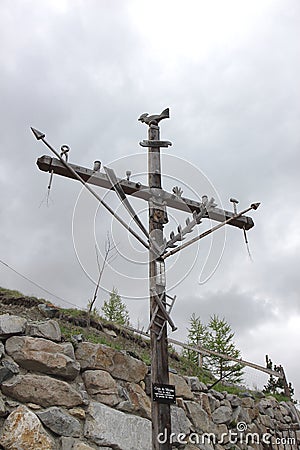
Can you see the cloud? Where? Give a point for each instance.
(83, 73)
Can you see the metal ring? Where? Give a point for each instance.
(64, 151)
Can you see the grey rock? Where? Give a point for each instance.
(148, 384)
(225, 402)
(42, 390)
(283, 409)
(234, 400)
(69, 443)
(85, 397)
(11, 325)
(42, 355)
(268, 402)
(66, 443)
(247, 402)
(270, 412)
(278, 415)
(23, 430)
(241, 414)
(8, 368)
(60, 422)
(287, 419)
(68, 349)
(48, 329)
(1, 350)
(48, 311)
(179, 421)
(3, 410)
(205, 403)
(217, 394)
(182, 388)
(111, 333)
(79, 413)
(266, 420)
(214, 403)
(198, 417)
(136, 400)
(222, 414)
(247, 394)
(196, 385)
(84, 446)
(102, 386)
(206, 447)
(77, 338)
(105, 426)
(119, 365)
(235, 416)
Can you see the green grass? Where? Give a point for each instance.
(73, 312)
(9, 293)
(179, 362)
(279, 397)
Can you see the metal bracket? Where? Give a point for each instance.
(122, 196)
(190, 224)
(146, 143)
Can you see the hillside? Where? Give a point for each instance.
(64, 386)
(73, 322)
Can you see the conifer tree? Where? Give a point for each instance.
(115, 310)
(217, 336)
(196, 336)
(220, 339)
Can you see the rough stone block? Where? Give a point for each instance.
(2, 407)
(23, 430)
(60, 422)
(102, 386)
(105, 426)
(42, 355)
(10, 325)
(48, 329)
(42, 390)
(1, 350)
(119, 365)
(136, 402)
(223, 414)
(182, 389)
(8, 368)
(198, 417)
(196, 385)
(179, 422)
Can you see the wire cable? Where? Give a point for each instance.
(36, 284)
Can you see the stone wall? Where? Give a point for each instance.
(54, 396)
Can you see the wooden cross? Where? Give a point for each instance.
(158, 200)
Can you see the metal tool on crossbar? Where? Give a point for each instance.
(41, 136)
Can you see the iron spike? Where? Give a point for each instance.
(38, 134)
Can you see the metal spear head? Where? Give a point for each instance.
(255, 205)
(38, 134)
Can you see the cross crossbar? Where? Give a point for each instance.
(48, 164)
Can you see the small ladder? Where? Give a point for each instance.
(157, 319)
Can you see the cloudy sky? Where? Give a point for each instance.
(83, 72)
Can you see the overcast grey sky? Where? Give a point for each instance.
(83, 72)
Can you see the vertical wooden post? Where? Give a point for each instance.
(161, 414)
